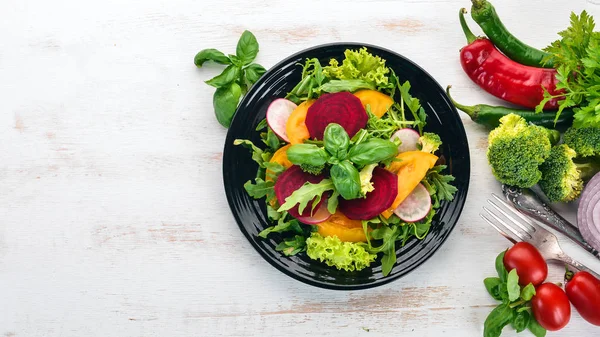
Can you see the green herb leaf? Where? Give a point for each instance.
(305, 194)
(344, 85)
(292, 246)
(332, 202)
(257, 153)
(492, 284)
(348, 256)
(535, 328)
(225, 102)
(512, 284)
(441, 183)
(372, 151)
(500, 317)
(254, 72)
(310, 154)
(261, 125)
(236, 61)
(282, 226)
(228, 76)
(336, 141)
(521, 320)
(272, 214)
(247, 47)
(259, 188)
(528, 292)
(502, 273)
(346, 179)
(210, 55)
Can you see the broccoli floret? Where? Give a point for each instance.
(562, 178)
(516, 151)
(312, 169)
(585, 141)
(430, 142)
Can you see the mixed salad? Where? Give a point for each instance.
(346, 169)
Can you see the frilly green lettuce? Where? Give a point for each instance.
(359, 64)
(348, 256)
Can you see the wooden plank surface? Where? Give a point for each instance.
(113, 218)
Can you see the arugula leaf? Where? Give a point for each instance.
(512, 284)
(282, 226)
(258, 155)
(500, 317)
(247, 47)
(210, 54)
(528, 292)
(502, 273)
(492, 284)
(261, 125)
(440, 183)
(272, 213)
(292, 246)
(344, 85)
(535, 328)
(230, 74)
(332, 202)
(270, 139)
(305, 194)
(388, 235)
(260, 188)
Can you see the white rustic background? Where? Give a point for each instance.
(113, 218)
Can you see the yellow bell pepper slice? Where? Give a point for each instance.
(295, 127)
(379, 102)
(345, 229)
(411, 169)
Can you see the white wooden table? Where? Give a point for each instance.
(113, 217)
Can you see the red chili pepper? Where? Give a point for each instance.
(503, 77)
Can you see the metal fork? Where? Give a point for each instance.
(523, 229)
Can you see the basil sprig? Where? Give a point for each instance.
(236, 78)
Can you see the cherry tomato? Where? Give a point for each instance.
(551, 307)
(583, 291)
(531, 266)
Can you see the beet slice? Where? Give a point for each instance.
(376, 201)
(289, 181)
(342, 108)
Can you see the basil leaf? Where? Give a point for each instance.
(229, 75)
(512, 284)
(492, 284)
(225, 102)
(372, 151)
(336, 141)
(528, 292)
(210, 55)
(536, 329)
(236, 60)
(502, 273)
(247, 47)
(310, 154)
(503, 290)
(500, 317)
(346, 179)
(254, 72)
(344, 85)
(332, 202)
(520, 321)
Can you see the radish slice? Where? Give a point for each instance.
(320, 215)
(588, 212)
(277, 115)
(416, 206)
(409, 139)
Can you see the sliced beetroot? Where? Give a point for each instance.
(289, 181)
(342, 108)
(385, 185)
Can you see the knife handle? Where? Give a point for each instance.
(526, 201)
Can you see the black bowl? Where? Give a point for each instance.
(251, 215)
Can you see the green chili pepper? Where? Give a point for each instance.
(307, 154)
(336, 141)
(489, 116)
(372, 151)
(346, 179)
(486, 17)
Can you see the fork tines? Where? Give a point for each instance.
(522, 229)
